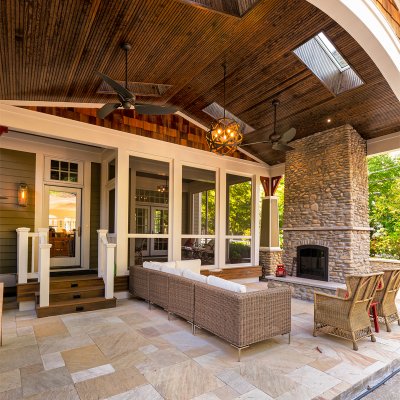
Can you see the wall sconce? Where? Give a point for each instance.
(23, 195)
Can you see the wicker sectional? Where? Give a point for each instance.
(239, 318)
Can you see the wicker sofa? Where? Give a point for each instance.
(241, 319)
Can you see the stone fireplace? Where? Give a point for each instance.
(312, 262)
(326, 203)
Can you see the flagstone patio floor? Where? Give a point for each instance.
(131, 352)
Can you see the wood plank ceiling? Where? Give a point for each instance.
(50, 50)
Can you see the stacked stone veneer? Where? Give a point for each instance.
(269, 260)
(326, 200)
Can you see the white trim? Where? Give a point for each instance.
(149, 236)
(363, 20)
(383, 144)
(188, 236)
(39, 192)
(271, 249)
(85, 216)
(220, 223)
(329, 228)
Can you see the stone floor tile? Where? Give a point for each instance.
(91, 373)
(314, 378)
(109, 385)
(255, 394)
(10, 380)
(112, 345)
(13, 394)
(62, 393)
(54, 344)
(33, 384)
(11, 358)
(145, 392)
(161, 359)
(183, 381)
(31, 369)
(52, 361)
(51, 328)
(83, 358)
(127, 360)
(226, 393)
(237, 382)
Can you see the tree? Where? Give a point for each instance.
(384, 205)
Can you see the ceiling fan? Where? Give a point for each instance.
(127, 100)
(278, 141)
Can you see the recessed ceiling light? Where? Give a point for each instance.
(328, 120)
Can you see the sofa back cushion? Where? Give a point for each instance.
(192, 265)
(187, 273)
(224, 284)
(152, 265)
(169, 270)
(169, 264)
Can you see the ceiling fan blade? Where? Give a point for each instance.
(288, 135)
(281, 146)
(251, 144)
(150, 109)
(125, 93)
(107, 109)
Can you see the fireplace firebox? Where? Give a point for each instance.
(312, 262)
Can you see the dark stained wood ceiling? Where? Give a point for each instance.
(50, 50)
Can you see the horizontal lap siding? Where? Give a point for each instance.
(15, 167)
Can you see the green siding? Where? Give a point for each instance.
(15, 167)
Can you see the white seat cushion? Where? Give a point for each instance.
(224, 284)
(187, 273)
(192, 265)
(169, 270)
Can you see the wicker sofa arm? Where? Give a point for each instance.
(243, 318)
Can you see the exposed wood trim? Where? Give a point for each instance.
(265, 183)
(234, 273)
(274, 184)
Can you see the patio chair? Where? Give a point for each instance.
(386, 297)
(347, 318)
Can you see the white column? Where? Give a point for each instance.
(255, 228)
(85, 219)
(175, 212)
(44, 274)
(40, 219)
(122, 210)
(109, 273)
(22, 254)
(270, 223)
(220, 213)
(101, 233)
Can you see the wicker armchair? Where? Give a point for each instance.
(386, 297)
(347, 318)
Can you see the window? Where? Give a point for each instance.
(63, 171)
(321, 56)
(198, 215)
(238, 221)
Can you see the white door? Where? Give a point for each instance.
(159, 224)
(62, 206)
(142, 220)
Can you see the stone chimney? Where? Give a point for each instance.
(326, 200)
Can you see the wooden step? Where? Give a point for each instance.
(73, 293)
(74, 306)
(68, 282)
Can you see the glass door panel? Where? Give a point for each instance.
(63, 208)
(159, 222)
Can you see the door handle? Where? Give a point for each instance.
(79, 231)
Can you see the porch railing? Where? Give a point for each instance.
(40, 251)
(106, 262)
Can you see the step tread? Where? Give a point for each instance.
(73, 290)
(75, 302)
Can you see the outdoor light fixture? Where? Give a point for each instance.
(23, 195)
(224, 135)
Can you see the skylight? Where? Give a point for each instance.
(332, 52)
(325, 61)
(216, 111)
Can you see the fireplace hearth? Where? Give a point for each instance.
(312, 262)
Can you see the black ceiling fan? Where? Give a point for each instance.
(278, 141)
(127, 100)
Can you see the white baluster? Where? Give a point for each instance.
(109, 273)
(22, 254)
(102, 234)
(44, 273)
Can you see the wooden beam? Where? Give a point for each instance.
(265, 183)
(274, 184)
